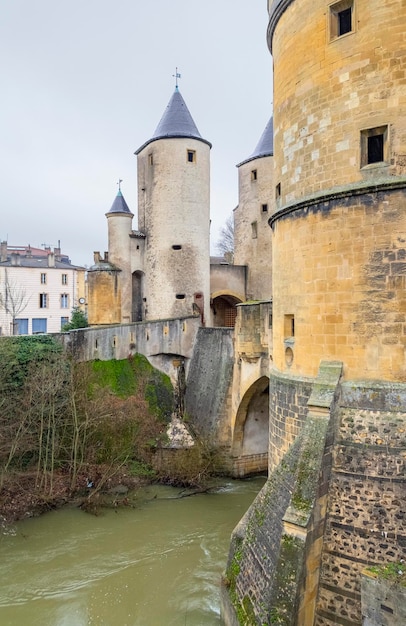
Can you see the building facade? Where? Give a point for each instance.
(38, 290)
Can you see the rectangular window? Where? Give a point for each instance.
(64, 279)
(254, 230)
(22, 326)
(64, 301)
(264, 208)
(151, 159)
(43, 300)
(43, 279)
(374, 145)
(289, 326)
(278, 191)
(254, 175)
(191, 156)
(64, 320)
(39, 325)
(341, 18)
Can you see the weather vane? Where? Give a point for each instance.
(176, 76)
(120, 180)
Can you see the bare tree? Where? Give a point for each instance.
(13, 299)
(225, 244)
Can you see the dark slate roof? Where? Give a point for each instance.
(175, 122)
(40, 262)
(264, 146)
(137, 234)
(119, 205)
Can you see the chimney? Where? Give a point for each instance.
(15, 259)
(51, 259)
(106, 257)
(3, 251)
(96, 257)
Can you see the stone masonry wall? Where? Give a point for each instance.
(209, 383)
(366, 520)
(287, 411)
(383, 600)
(273, 568)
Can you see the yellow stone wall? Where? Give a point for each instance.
(327, 90)
(104, 303)
(339, 225)
(341, 273)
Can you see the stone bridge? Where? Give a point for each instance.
(226, 369)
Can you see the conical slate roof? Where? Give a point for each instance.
(264, 146)
(119, 205)
(175, 122)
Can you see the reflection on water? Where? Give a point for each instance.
(157, 564)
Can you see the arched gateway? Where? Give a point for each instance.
(251, 430)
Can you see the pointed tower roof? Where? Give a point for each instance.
(264, 146)
(119, 205)
(175, 122)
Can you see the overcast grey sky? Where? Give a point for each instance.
(84, 83)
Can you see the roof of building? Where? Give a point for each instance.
(175, 122)
(264, 146)
(41, 262)
(137, 234)
(27, 256)
(119, 205)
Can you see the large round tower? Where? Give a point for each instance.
(174, 213)
(340, 183)
(334, 501)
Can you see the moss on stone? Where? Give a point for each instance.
(125, 377)
(394, 573)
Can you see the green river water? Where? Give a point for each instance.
(158, 564)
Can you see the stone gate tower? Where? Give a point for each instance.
(252, 235)
(174, 214)
(334, 501)
(161, 269)
(340, 178)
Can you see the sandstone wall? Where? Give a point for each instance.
(104, 296)
(340, 275)
(329, 89)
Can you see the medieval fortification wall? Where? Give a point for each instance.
(334, 501)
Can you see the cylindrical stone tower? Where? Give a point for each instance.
(174, 214)
(252, 235)
(119, 220)
(340, 183)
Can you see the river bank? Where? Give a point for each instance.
(21, 497)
